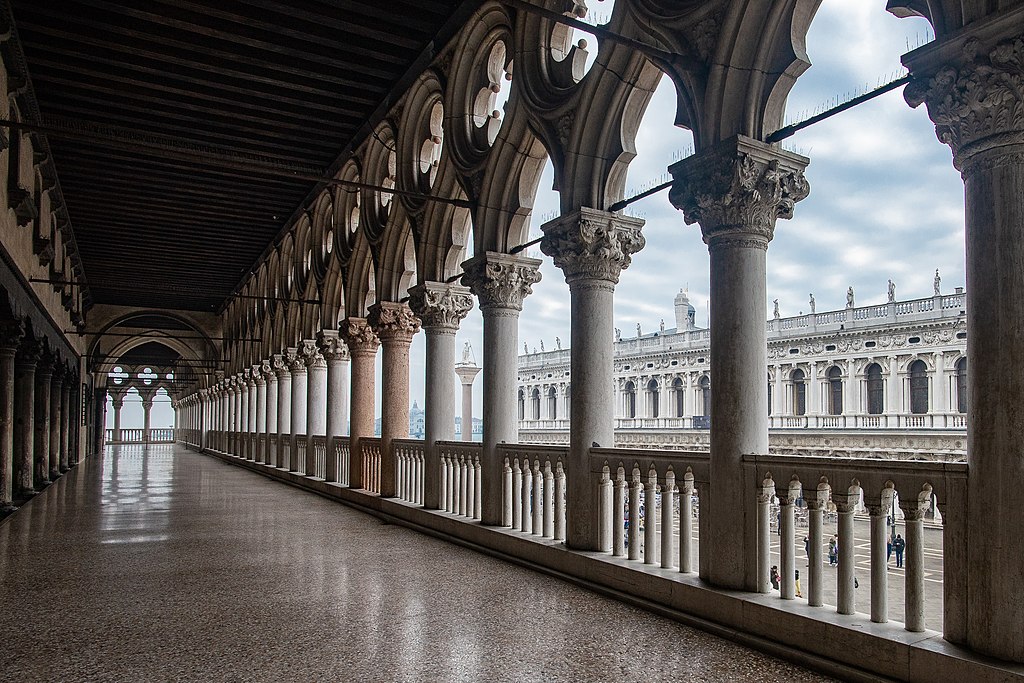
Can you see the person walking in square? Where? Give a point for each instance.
(899, 545)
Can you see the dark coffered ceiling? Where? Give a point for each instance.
(183, 124)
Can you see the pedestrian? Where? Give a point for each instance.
(807, 549)
(774, 576)
(799, 593)
(888, 549)
(833, 551)
(899, 545)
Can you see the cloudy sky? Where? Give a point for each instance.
(885, 200)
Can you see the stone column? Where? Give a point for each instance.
(56, 418)
(41, 430)
(117, 402)
(971, 81)
(441, 307)
(316, 399)
(591, 248)
(284, 405)
(736, 191)
(147, 406)
(395, 325)
(846, 505)
(271, 409)
(11, 333)
(467, 372)
(500, 282)
(362, 344)
(250, 414)
(300, 391)
(28, 356)
(879, 508)
(261, 411)
(70, 421)
(335, 354)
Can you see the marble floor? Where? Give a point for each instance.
(160, 564)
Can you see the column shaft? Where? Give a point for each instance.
(10, 335)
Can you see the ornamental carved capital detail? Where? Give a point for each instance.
(439, 305)
(360, 337)
(280, 363)
(257, 374)
(737, 190)
(501, 281)
(296, 363)
(11, 332)
(975, 99)
(332, 346)
(309, 352)
(591, 244)
(393, 321)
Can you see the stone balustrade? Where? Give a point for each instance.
(461, 478)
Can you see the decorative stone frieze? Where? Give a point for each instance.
(592, 245)
(440, 306)
(737, 190)
(393, 321)
(501, 281)
(975, 96)
(361, 338)
(332, 346)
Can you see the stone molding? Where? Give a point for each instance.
(332, 346)
(589, 244)
(737, 190)
(973, 87)
(439, 305)
(361, 338)
(393, 322)
(501, 281)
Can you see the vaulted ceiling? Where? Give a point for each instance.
(186, 134)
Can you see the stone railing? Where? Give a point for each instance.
(652, 507)
(409, 463)
(460, 477)
(341, 456)
(158, 435)
(371, 463)
(317, 457)
(533, 493)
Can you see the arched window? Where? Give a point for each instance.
(961, 385)
(799, 392)
(630, 398)
(769, 395)
(536, 404)
(835, 391)
(679, 396)
(918, 387)
(566, 404)
(876, 389)
(552, 403)
(653, 396)
(705, 395)
(522, 405)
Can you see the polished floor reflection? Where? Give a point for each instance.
(162, 565)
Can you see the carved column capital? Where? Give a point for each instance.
(393, 322)
(440, 306)
(973, 87)
(332, 346)
(310, 354)
(501, 281)
(279, 361)
(592, 245)
(737, 190)
(293, 357)
(11, 333)
(361, 338)
(30, 352)
(257, 374)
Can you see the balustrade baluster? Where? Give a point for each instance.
(634, 515)
(471, 487)
(651, 517)
(464, 508)
(559, 502)
(507, 516)
(786, 560)
(478, 500)
(527, 496)
(668, 520)
(517, 496)
(618, 507)
(686, 525)
(538, 499)
(549, 501)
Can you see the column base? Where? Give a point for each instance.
(7, 509)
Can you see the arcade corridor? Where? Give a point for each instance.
(161, 564)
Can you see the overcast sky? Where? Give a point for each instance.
(885, 200)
